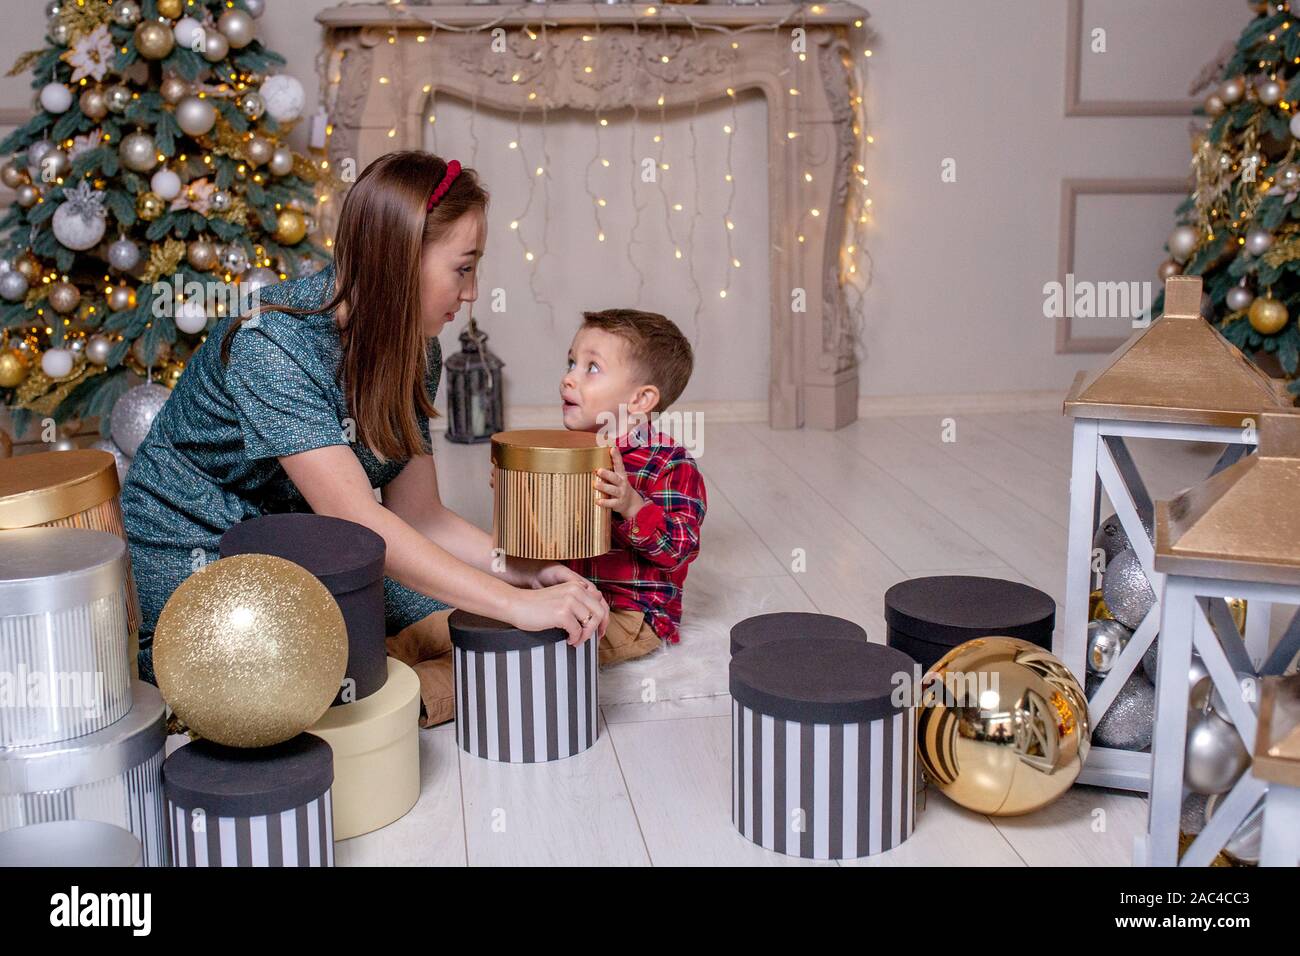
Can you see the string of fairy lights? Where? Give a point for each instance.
(531, 238)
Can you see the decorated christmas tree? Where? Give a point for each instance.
(1240, 227)
(152, 182)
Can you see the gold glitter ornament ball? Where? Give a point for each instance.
(1003, 726)
(250, 651)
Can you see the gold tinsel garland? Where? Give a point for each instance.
(41, 394)
(1283, 249)
(82, 16)
(163, 260)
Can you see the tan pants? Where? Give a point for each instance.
(425, 647)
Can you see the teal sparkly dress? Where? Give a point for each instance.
(209, 460)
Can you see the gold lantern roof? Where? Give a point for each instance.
(1241, 524)
(1179, 370)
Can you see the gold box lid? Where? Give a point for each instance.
(1277, 738)
(1179, 370)
(52, 485)
(1240, 524)
(550, 450)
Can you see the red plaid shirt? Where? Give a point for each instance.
(645, 569)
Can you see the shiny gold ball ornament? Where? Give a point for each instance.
(290, 226)
(250, 650)
(64, 297)
(1267, 315)
(93, 103)
(173, 89)
(1002, 727)
(121, 298)
(201, 254)
(258, 150)
(149, 206)
(154, 39)
(171, 9)
(13, 369)
(1168, 269)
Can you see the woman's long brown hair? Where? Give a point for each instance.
(382, 231)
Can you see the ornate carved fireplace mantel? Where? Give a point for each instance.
(608, 56)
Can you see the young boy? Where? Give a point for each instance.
(637, 363)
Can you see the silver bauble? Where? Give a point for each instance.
(219, 201)
(260, 277)
(1232, 90)
(258, 150)
(1258, 241)
(27, 195)
(195, 116)
(123, 463)
(1182, 242)
(201, 254)
(1106, 641)
(138, 151)
(123, 255)
(1294, 125)
(98, 348)
(1126, 590)
(1239, 298)
(13, 286)
(1244, 844)
(1215, 757)
(250, 103)
(233, 258)
(1214, 105)
(281, 163)
(118, 98)
(161, 352)
(53, 8)
(64, 297)
(1269, 92)
(215, 46)
(1111, 537)
(133, 415)
(237, 26)
(126, 13)
(35, 153)
(187, 30)
(1127, 725)
(1192, 819)
(58, 31)
(1150, 665)
(255, 7)
(1247, 689)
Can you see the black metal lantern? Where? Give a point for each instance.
(474, 383)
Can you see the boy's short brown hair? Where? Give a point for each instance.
(662, 354)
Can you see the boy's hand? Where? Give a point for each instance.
(619, 494)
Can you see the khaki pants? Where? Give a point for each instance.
(425, 647)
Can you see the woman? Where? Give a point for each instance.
(323, 394)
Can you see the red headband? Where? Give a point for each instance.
(453, 170)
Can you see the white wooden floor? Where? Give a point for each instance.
(877, 502)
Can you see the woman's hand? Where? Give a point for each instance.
(579, 610)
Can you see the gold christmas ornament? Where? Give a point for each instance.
(171, 9)
(250, 650)
(258, 150)
(173, 89)
(13, 369)
(29, 267)
(121, 298)
(93, 104)
(149, 206)
(1167, 269)
(64, 297)
(153, 39)
(12, 176)
(1267, 315)
(201, 254)
(290, 226)
(27, 195)
(1002, 727)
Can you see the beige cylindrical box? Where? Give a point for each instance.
(544, 501)
(70, 489)
(376, 754)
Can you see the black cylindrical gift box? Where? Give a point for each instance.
(251, 806)
(928, 617)
(823, 753)
(349, 560)
(521, 696)
(764, 628)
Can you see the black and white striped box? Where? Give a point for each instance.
(522, 696)
(262, 806)
(823, 748)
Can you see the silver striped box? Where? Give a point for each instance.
(522, 696)
(64, 634)
(257, 806)
(823, 762)
(113, 775)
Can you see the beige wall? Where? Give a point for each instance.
(956, 304)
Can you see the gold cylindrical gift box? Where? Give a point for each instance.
(544, 502)
(69, 489)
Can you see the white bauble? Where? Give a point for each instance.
(56, 98)
(284, 97)
(75, 232)
(1182, 243)
(185, 31)
(165, 183)
(56, 363)
(191, 317)
(255, 8)
(195, 116)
